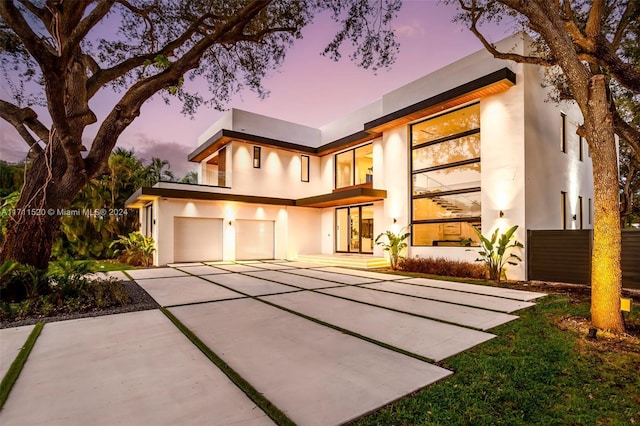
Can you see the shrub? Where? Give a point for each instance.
(493, 252)
(135, 249)
(64, 288)
(444, 267)
(394, 245)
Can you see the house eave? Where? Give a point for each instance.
(490, 84)
(358, 195)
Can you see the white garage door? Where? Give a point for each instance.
(255, 239)
(197, 239)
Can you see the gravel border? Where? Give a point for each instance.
(139, 301)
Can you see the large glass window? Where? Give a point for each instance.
(354, 167)
(445, 178)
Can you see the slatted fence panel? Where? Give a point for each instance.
(631, 258)
(559, 255)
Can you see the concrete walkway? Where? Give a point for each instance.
(324, 345)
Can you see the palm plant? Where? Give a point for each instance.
(493, 252)
(394, 244)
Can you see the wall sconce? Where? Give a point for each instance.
(501, 214)
(575, 217)
(230, 223)
(395, 220)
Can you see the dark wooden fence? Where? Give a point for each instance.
(565, 256)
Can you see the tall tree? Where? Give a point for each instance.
(592, 43)
(152, 47)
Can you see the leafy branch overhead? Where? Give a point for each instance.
(65, 55)
(603, 34)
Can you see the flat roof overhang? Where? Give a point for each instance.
(146, 194)
(345, 197)
(490, 84)
(225, 136)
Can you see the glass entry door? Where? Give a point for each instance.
(354, 229)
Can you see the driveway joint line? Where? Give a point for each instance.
(335, 327)
(413, 314)
(18, 364)
(269, 408)
(451, 303)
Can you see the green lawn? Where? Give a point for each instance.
(539, 370)
(111, 265)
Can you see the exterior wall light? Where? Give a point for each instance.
(575, 217)
(230, 223)
(395, 220)
(501, 214)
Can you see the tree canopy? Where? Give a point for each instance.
(72, 50)
(589, 48)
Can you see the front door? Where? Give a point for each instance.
(354, 229)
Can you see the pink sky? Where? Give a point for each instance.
(308, 89)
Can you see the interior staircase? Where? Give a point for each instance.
(347, 260)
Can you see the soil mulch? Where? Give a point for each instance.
(139, 300)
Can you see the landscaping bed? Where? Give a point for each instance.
(132, 298)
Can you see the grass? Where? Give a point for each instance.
(16, 367)
(539, 370)
(111, 265)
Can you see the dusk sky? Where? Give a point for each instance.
(309, 88)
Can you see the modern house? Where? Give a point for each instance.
(475, 144)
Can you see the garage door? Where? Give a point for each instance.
(197, 239)
(255, 239)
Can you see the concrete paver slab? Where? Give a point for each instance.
(425, 337)
(203, 270)
(441, 311)
(236, 267)
(314, 374)
(367, 274)
(128, 369)
(154, 273)
(180, 265)
(294, 280)
(11, 341)
(273, 266)
(331, 276)
(507, 293)
(477, 300)
(181, 290)
(249, 285)
(302, 264)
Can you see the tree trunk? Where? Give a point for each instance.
(606, 275)
(35, 221)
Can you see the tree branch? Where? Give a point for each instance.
(630, 11)
(20, 119)
(35, 45)
(103, 76)
(81, 30)
(593, 26)
(624, 130)
(128, 108)
(475, 13)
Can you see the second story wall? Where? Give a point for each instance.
(557, 161)
(279, 173)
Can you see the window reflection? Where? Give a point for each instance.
(459, 121)
(445, 180)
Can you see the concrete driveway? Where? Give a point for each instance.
(323, 345)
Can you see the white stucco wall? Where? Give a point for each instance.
(279, 175)
(350, 123)
(548, 170)
(296, 228)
